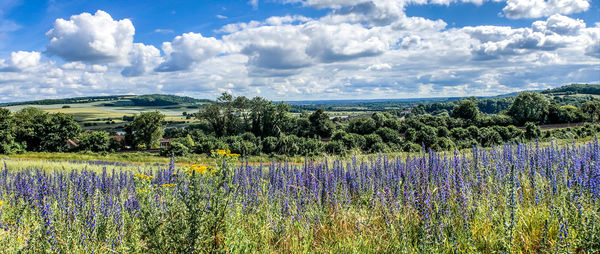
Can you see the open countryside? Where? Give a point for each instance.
(305, 126)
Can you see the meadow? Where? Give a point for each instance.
(507, 199)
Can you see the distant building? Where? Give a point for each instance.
(164, 142)
(72, 143)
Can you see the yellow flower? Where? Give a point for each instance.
(143, 176)
(233, 154)
(168, 185)
(201, 169)
(1, 202)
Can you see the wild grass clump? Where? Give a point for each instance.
(509, 199)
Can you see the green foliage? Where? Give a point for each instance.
(488, 136)
(362, 125)
(427, 136)
(443, 144)
(353, 140)
(320, 123)
(466, 109)
(592, 110)
(389, 135)
(146, 129)
(41, 131)
(575, 89)
(529, 107)
(532, 131)
(95, 141)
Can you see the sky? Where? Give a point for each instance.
(295, 49)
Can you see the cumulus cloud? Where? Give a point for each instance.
(360, 49)
(188, 49)
(20, 61)
(91, 38)
(556, 32)
(343, 42)
(517, 9)
(142, 59)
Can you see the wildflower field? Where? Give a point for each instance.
(508, 199)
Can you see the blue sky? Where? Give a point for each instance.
(295, 49)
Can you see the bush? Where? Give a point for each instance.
(96, 141)
(269, 145)
(411, 147)
(175, 149)
(532, 131)
(335, 147)
(362, 125)
(489, 137)
(389, 135)
(310, 147)
(442, 144)
(353, 140)
(427, 136)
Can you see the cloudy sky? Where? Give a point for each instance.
(295, 49)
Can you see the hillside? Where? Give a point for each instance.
(574, 89)
(118, 100)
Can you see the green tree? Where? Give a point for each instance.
(427, 136)
(320, 123)
(146, 128)
(58, 129)
(362, 125)
(529, 107)
(7, 133)
(95, 141)
(592, 110)
(467, 109)
(29, 126)
(41, 131)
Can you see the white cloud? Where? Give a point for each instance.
(516, 9)
(221, 16)
(142, 59)
(358, 49)
(20, 61)
(91, 38)
(164, 31)
(559, 24)
(496, 42)
(188, 49)
(253, 3)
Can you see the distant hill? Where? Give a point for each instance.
(574, 89)
(132, 100)
(68, 100)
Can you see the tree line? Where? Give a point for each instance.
(258, 126)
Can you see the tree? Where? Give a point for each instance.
(43, 132)
(592, 110)
(467, 109)
(95, 141)
(7, 135)
(427, 136)
(29, 126)
(58, 129)
(146, 128)
(320, 123)
(529, 107)
(362, 125)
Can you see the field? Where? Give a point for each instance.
(536, 198)
(97, 116)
